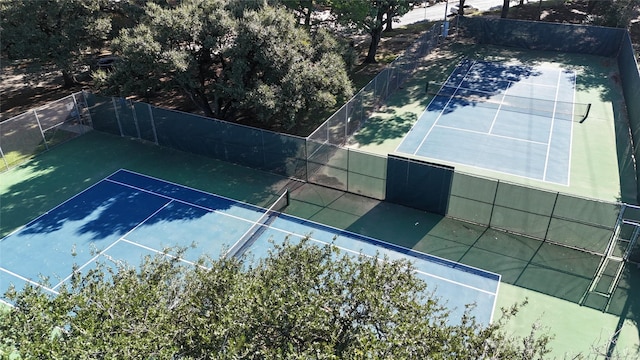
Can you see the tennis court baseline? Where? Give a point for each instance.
(129, 215)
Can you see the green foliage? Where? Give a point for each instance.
(302, 301)
(281, 74)
(614, 13)
(60, 33)
(304, 10)
(258, 67)
(370, 16)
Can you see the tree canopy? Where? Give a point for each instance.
(233, 60)
(61, 33)
(370, 16)
(302, 301)
(614, 13)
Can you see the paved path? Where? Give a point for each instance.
(437, 11)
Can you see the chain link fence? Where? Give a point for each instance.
(38, 130)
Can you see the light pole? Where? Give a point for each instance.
(446, 8)
(445, 24)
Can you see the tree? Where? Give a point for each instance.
(369, 16)
(614, 13)
(461, 8)
(505, 9)
(301, 301)
(60, 33)
(304, 9)
(396, 8)
(235, 61)
(282, 74)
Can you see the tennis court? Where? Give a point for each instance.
(510, 118)
(129, 215)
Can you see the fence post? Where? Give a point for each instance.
(553, 210)
(84, 96)
(115, 109)
(493, 203)
(153, 124)
(135, 118)
(44, 139)
(6, 164)
(346, 122)
(78, 113)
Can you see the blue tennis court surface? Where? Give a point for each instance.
(128, 215)
(509, 118)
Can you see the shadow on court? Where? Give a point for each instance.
(51, 178)
(529, 263)
(393, 125)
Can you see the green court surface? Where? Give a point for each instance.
(551, 278)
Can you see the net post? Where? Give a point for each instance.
(259, 226)
(586, 113)
(287, 196)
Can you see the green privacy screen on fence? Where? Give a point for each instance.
(261, 149)
(563, 219)
(630, 81)
(545, 36)
(419, 184)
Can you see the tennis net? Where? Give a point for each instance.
(457, 96)
(258, 228)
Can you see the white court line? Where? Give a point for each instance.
(573, 110)
(289, 232)
(553, 119)
(160, 252)
(495, 118)
(424, 138)
(257, 208)
(424, 112)
(418, 271)
(93, 259)
(28, 281)
(253, 207)
(492, 135)
(54, 208)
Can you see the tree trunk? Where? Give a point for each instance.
(505, 9)
(376, 34)
(389, 21)
(591, 5)
(69, 79)
(540, 10)
(200, 101)
(307, 18)
(461, 8)
(373, 47)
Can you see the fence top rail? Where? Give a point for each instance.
(535, 23)
(13, 118)
(635, 207)
(350, 149)
(558, 193)
(214, 119)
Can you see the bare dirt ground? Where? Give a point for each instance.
(23, 87)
